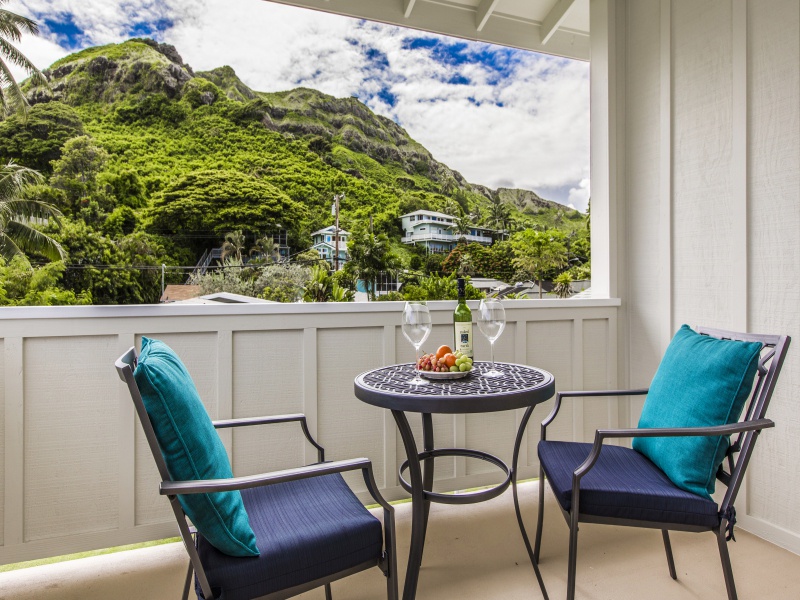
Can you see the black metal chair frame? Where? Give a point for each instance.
(748, 429)
(387, 563)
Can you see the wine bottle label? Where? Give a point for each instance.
(463, 339)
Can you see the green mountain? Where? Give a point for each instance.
(135, 143)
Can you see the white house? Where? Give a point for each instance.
(324, 242)
(437, 231)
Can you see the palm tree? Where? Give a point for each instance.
(265, 250)
(370, 255)
(17, 214)
(12, 26)
(233, 245)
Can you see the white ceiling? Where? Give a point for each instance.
(559, 27)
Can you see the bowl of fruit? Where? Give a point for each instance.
(444, 364)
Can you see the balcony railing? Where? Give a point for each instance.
(444, 237)
(74, 467)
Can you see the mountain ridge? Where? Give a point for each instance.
(110, 73)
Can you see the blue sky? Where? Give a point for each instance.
(500, 116)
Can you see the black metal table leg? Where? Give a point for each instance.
(417, 506)
(427, 474)
(517, 443)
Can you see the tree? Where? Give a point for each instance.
(265, 250)
(22, 285)
(36, 139)
(233, 245)
(539, 253)
(438, 288)
(12, 26)
(76, 171)
(370, 255)
(18, 214)
(223, 200)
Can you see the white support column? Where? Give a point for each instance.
(14, 497)
(408, 7)
(554, 18)
(484, 11)
(604, 161)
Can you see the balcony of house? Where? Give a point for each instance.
(445, 236)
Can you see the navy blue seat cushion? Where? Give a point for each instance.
(622, 484)
(305, 530)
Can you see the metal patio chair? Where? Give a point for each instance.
(618, 469)
(270, 499)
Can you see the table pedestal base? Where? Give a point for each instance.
(421, 488)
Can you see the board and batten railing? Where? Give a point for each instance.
(74, 467)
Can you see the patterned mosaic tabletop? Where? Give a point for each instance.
(394, 380)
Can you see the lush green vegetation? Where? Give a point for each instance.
(151, 164)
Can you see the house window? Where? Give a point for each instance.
(422, 228)
(412, 218)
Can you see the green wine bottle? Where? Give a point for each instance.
(462, 322)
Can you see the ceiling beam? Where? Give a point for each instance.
(408, 6)
(554, 18)
(485, 10)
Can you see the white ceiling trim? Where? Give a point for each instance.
(484, 11)
(458, 20)
(554, 18)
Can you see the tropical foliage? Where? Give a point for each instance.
(145, 162)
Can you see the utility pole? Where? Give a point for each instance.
(336, 199)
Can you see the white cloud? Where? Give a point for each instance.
(528, 127)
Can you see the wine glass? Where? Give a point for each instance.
(416, 328)
(491, 322)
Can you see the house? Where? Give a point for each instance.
(438, 232)
(324, 242)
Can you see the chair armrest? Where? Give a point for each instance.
(299, 417)
(603, 434)
(206, 486)
(585, 394)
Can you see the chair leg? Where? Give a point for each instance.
(540, 521)
(668, 548)
(726, 564)
(573, 557)
(187, 586)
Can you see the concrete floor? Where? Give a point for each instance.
(472, 552)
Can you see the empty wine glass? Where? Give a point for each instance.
(491, 322)
(416, 328)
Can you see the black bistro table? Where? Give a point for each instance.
(520, 387)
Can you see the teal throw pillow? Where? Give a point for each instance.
(191, 448)
(701, 381)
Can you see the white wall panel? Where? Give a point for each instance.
(705, 280)
(198, 351)
(70, 431)
(596, 376)
(774, 291)
(550, 346)
(726, 111)
(267, 380)
(349, 428)
(648, 301)
(243, 365)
